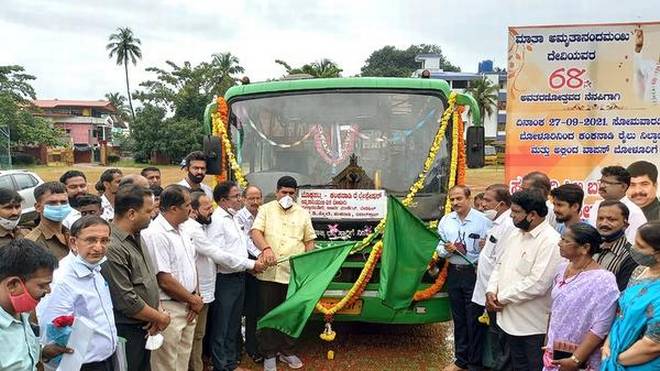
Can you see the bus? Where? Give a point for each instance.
(342, 135)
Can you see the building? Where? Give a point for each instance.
(86, 122)
(494, 125)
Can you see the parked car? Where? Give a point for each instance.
(23, 182)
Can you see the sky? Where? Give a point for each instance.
(62, 42)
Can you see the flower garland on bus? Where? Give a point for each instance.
(321, 144)
(456, 176)
(219, 120)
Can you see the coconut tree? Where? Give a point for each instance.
(485, 93)
(124, 46)
(223, 68)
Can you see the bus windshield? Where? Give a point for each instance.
(312, 134)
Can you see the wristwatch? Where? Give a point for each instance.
(576, 360)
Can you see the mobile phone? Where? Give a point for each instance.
(560, 354)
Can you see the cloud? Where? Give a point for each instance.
(63, 43)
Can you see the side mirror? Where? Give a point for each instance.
(475, 147)
(213, 151)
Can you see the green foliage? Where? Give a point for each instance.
(23, 159)
(485, 93)
(324, 68)
(119, 102)
(392, 62)
(18, 113)
(174, 136)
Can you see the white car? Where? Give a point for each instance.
(23, 182)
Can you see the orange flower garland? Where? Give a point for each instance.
(460, 177)
(433, 289)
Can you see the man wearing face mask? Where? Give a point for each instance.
(131, 276)
(80, 290)
(195, 166)
(52, 204)
(615, 256)
(75, 183)
(281, 229)
(10, 216)
(26, 270)
(519, 287)
(497, 203)
(567, 205)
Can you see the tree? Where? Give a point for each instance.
(125, 46)
(143, 132)
(18, 113)
(222, 69)
(392, 62)
(119, 102)
(486, 95)
(324, 68)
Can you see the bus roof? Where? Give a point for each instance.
(339, 83)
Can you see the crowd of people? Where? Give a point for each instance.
(535, 282)
(174, 282)
(166, 279)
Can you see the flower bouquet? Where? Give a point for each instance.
(58, 332)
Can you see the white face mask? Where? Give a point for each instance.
(9, 224)
(286, 202)
(490, 214)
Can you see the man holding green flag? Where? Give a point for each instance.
(408, 247)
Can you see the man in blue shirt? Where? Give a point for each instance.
(464, 231)
(26, 271)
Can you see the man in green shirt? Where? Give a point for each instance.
(26, 271)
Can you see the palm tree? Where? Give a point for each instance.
(223, 67)
(325, 68)
(486, 94)
(125, 46)
(119, 102)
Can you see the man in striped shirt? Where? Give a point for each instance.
(612, 222)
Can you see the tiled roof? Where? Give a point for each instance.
(54, 103)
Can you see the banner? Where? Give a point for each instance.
(579, 98)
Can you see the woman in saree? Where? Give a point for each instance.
(584, 299)
(634, 341)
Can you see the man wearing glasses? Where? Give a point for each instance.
(612, 185)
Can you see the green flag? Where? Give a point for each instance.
(408, 246)
(311, 274)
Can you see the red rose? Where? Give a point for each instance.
(63, 321)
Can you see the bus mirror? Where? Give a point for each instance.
(213, 151)
(475, 147)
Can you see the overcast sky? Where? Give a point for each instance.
(63, 42)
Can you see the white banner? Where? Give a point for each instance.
(338, 204)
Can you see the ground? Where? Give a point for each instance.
(358, 346)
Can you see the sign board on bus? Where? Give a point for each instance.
(343, 204)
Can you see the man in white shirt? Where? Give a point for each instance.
(519, 287)
(109, 182)
(225, 231)
(79, 290)
(612, 185)
(252, 199)
(75, 183)
(195, 166)
(497, 203)
(173, 255)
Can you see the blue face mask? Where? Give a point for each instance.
(91, 266)
(56, 213)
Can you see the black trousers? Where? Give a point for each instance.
(137, 357)
(105, 365)
(499, 345)
(251, 311)
(226, 318)
(526, 352)
(270, 341)
(469, 334)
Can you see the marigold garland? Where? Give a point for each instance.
(221, 130)
(461, 147)
(433, 289)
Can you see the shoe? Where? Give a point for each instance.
(270, 364)
(291, 361)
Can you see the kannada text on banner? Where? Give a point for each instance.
(580, 98)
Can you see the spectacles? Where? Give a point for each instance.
(602, 182)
